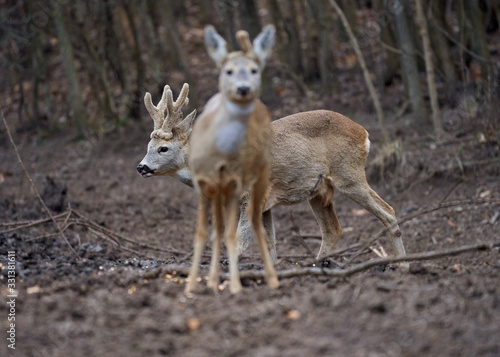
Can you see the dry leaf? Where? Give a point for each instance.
(293, 315)
(485, 194)
(193, 324)
(451, 224)
(33, 290)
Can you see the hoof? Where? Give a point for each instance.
(235, 288)
(273, 283)
(404, 267)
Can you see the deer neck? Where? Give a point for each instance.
(232, 125)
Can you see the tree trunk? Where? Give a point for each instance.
(429, 66)
(366, 73)
(292, 29)
(409, 65)
(225, 9)
(442, 50)
(136, 100)
(66, 49)
(479, 43)
(392, 62)
(249, 16)
(319, 10)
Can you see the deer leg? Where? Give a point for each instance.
(244, 232)
(213, 276)
(231, 244)
(363, 195)
(255, 212)
(199, 242)
(267, 221)
(328, 223)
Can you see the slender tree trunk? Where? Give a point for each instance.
(409, 65)
(249, 16)
(292, 29)
(136, 102)
(319, 10)
(479, 43)
(366, 73)
(66, 49)
(112, 47)
(442, 50)
(429, 66)
(392, 63)
(225, 9)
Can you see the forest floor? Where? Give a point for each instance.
(111, 302)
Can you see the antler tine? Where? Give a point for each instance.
(156, 112)
(182, 99)
(174, 113)
(244, 41)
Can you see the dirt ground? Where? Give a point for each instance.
(111, 302)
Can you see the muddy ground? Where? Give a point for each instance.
(113, 302)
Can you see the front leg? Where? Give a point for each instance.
(199, 242)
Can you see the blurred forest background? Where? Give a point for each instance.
(86, 64)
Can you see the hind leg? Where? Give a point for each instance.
(362, 194)
(328, 223)
(255, 212)
(268, 222)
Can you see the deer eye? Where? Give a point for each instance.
(163, 149)
(229, 72)
(254, 71)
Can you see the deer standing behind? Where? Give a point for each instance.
(230, 154)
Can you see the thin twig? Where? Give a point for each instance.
(33, 184)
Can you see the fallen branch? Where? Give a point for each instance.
(182, 270)
(336, 272)
(37, 194)
(409, 217)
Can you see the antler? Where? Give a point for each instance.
(244, 42)
(174, 109)
(163, 125)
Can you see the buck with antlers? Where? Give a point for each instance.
(168, 148)
(230, 153)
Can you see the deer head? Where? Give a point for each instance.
(169, 146)
(240, 75)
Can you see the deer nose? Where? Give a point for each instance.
(144, 169)
(243, 90)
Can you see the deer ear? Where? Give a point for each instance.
(185, 126)
(263, 44)
(216, 45)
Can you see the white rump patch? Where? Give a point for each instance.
(230, 137)
(367, 144)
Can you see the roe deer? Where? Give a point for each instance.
(230, 153)
(169, 147)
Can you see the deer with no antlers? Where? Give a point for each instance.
(230, 153)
